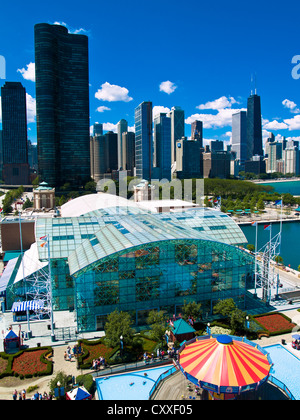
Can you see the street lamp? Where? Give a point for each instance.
(208, 329)
(247, 322)
(121, 345)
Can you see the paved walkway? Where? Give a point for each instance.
(69, 368)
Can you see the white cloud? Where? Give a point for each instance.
(60, 23)
(29, 72)
(110, 127)
(275, 125)
(222, 119)
(219, 103)
(112, 93)
(293, 123)
(291, 106)
(71, 30)
(167, 87)
(31, 108)
(296, 138)
(158, 109)
(102, 109)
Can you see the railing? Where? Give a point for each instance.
(281, 386)
(163, 376)
(129, 367)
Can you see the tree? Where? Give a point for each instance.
(90, 186)
(158, 324)
(118, 324)
(36, 181)
(260, 204)
(63, 380)
(225, 307)
(278, 259)
(228, 309)
(237, 320)
(251, 247)
(191, 309)
(27, 204)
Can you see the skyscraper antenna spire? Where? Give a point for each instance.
(255, 90)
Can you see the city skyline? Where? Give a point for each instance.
(205, 79)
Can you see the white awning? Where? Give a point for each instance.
(32, 305)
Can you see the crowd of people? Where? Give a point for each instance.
(21, 395)
(74, 352)
(98, 363)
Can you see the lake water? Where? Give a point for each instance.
(283, 187)
(290, 240)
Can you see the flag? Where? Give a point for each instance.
(42, 238)
(278, 203)
(43, 244)
(210, 199)
(253, 223)
(267, 227)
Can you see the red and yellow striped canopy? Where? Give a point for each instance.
(224, 362)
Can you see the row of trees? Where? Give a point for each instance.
(119, 324)
(274, 175)
(9, 199)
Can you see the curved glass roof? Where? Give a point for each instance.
(66, 234)
(127, 233)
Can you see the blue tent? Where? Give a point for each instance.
(11, 341)
(78, 394)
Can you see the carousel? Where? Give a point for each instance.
(224, 365)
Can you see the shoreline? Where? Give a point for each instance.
(271, 181)
(248, 222)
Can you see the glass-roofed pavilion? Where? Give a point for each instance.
(128, 259)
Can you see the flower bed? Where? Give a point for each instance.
(93, 350)
(29, 363)
(275, 323)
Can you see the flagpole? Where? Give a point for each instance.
(255, 281)
(24, 281)
(280, 225)
(269, 265)
(50, 291)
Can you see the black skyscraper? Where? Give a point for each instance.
(254, 129)
(14, 134)
(62, 101)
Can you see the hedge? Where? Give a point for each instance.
(11, 357)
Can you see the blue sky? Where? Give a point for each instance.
(194, 54)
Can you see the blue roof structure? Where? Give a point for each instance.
(180, 326)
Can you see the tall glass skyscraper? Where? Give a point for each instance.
(62, 102)
(177, 129)
(143, 140)
(254, 127)
(239, 137)
(162, 145)
(14, 134)
(197, 131)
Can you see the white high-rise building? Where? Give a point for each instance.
(291, 157)
(122, 127)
